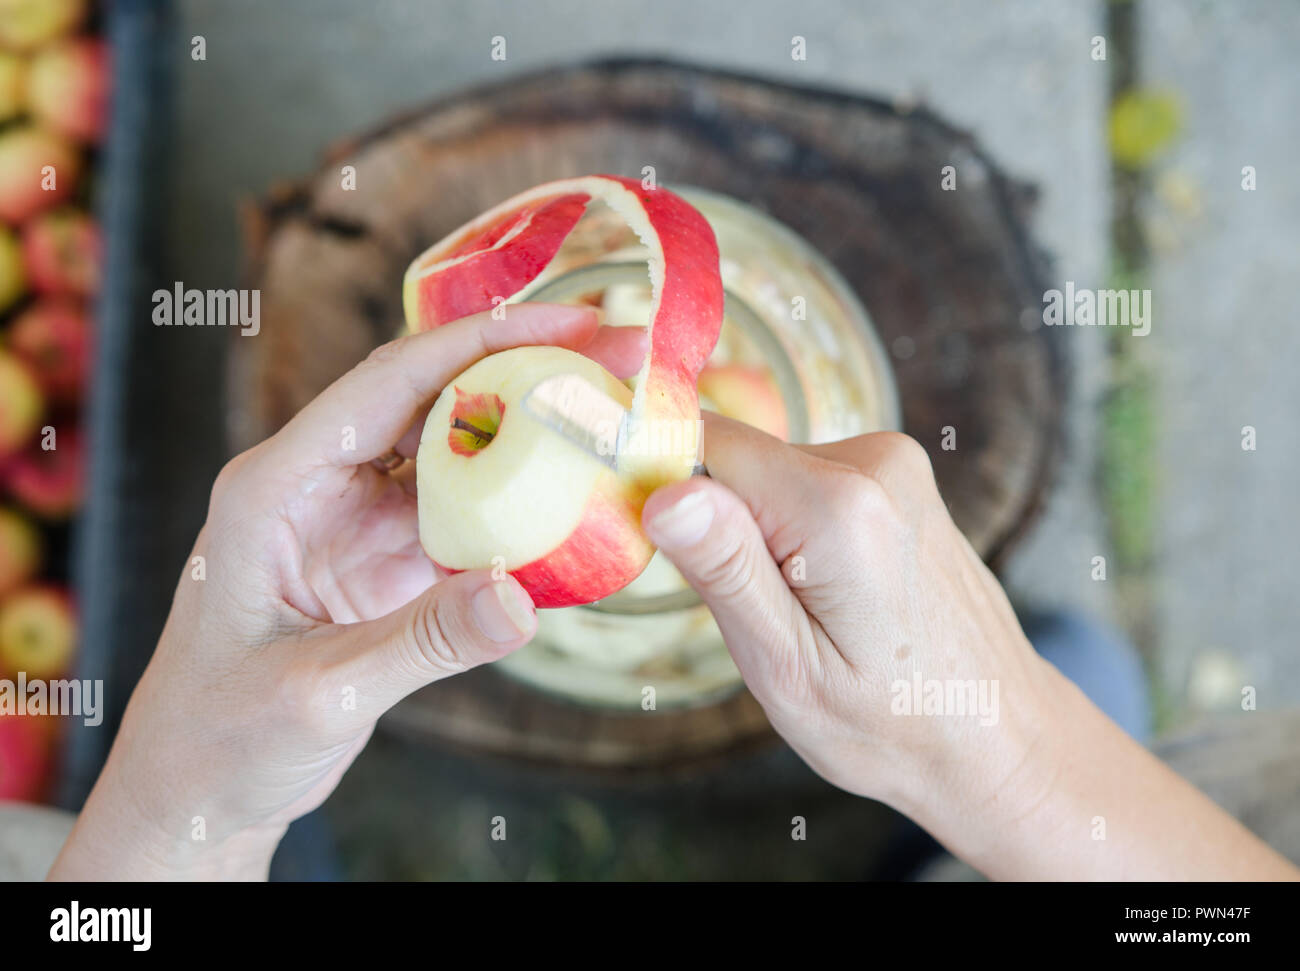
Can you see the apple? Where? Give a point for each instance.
(49, 482)
(53, 337)
(565, 524)
(38, 169)
(67, 88)
(20, 550)
(28, 24)
(24, 757)
(13, 72)
(38, 632)
(747, 394)
(62, 253)
(21, 404)
(13, 276)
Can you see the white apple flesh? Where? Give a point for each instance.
(527, 500)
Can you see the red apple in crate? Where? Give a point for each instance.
(38, 169)
(67, 88)
(13, 74)
(21, 404)
(24, 757)
(49, 482)
(53, 337)
(62, 253)
(38, 632)
(13, 276)
(561, 521)
(746, 394)
(28, 24)
(20, 550)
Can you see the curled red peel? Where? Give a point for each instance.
(493, 258)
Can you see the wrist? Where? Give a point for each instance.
(106, 845)
(116, 837)
(979, 796)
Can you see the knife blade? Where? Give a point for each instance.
(582, 413)
(586, 416)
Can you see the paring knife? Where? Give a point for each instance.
(585, 415)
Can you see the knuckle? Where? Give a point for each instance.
(906, 456)
(731, 571)
(229, 474)
(852, 496)
(432, 637)
(385, 354)
(229, 479)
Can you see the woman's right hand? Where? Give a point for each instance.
(839, 582)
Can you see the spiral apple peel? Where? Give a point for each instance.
(497, 488)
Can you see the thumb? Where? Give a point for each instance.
(459, 623)
(709, 534)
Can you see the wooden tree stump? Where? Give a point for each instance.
(950, 278)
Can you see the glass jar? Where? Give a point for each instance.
(797, 356)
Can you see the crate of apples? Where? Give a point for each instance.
(54, 103)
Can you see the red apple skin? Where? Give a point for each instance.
(21, 403)
(63, 254)
(606, 552)
(38, 632)
(24, 152)
(26, 25)
(53, 337)
(20, 550)
(49, 483)
(746, 394)
(24, 757)
(13, 274)
(496, 268)
(67, 88)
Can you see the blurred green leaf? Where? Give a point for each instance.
(1142, 125)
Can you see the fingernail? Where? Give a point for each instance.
(685, 522)
(501, 613)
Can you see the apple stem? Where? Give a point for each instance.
(478, 433)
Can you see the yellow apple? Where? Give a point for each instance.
(13, 276)
(28, 24)
(13, 73)
(38, 632)
(21, 403)
(20, 550)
